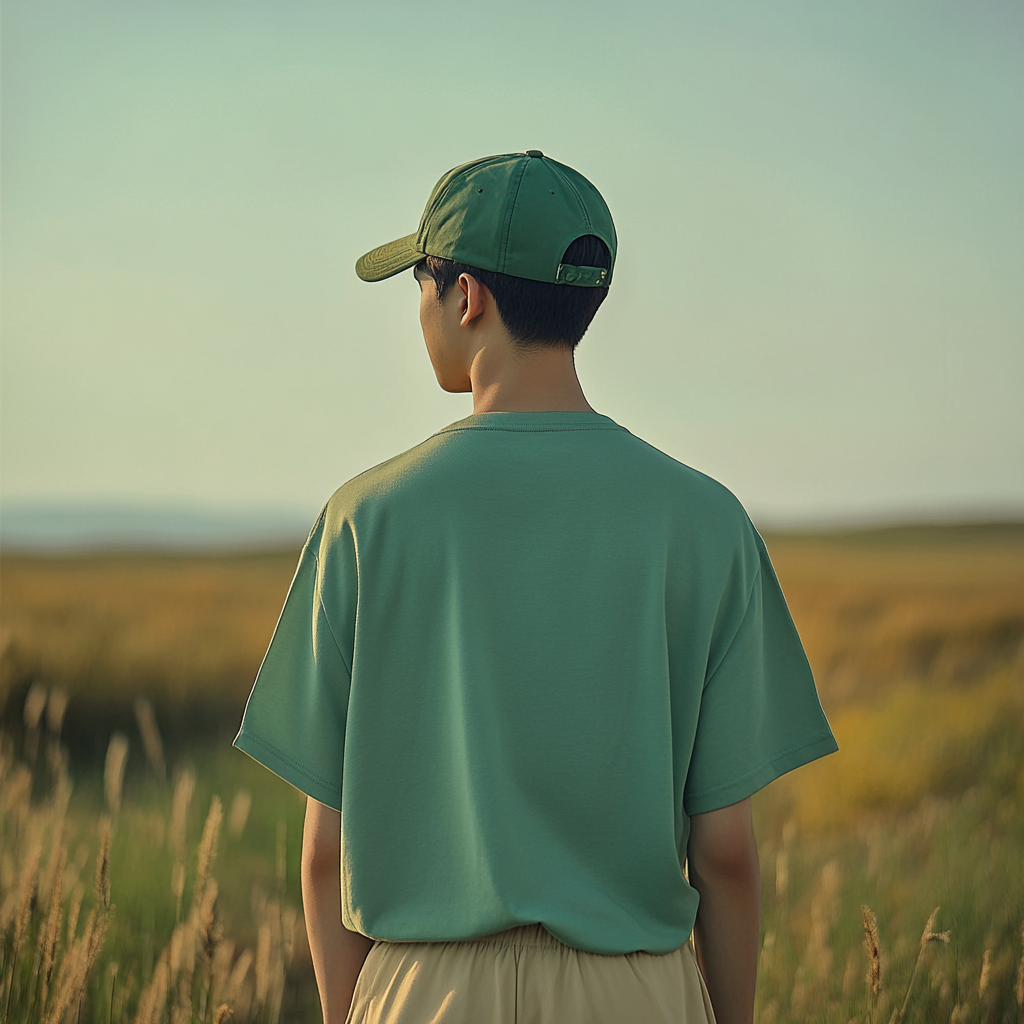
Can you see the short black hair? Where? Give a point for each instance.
(536, 312)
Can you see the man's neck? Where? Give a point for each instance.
(539, 378)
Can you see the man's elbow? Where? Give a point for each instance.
(319, 862)
(727, 866)
(722, 846)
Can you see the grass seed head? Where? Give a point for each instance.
(70, 967)
(263, 964)
(872, 945)
(178, 948)
(183, 790)
(51, 930)
(96, 937)
(986, 971)
(220, 969)
(73, 912)
(239, 814)
(932, 936)
(289, 923)
(1018, 988)
(56, 707)
(208, 929)
(151, 740)
(26, 890)
(35, 703)
(781, 873)
(238, 975)
(153, 997)
(113, 771)
(208, 845)
(178, 880)
(77, 966)
(103, 865)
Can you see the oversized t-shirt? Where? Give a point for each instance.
(518, 658)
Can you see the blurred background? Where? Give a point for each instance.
(817, 301)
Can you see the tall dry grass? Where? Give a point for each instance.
(840, 942)
(54, 924)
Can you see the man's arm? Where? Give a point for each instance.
(723, 868)
(338, 954)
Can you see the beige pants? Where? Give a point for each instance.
(526, 976)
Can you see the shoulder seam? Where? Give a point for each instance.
(380, 465)
(327, 619)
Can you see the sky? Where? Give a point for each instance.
(820, 208)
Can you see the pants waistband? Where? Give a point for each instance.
(531, 935)
(520, 937)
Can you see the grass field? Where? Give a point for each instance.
(917, 641)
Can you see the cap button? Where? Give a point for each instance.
(534, 152)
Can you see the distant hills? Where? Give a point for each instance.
(57, 528)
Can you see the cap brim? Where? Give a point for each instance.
(388, 260)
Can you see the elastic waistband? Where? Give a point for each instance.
(520, 937)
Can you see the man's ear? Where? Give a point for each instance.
(473, 301)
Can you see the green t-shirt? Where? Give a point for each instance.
(518, 658)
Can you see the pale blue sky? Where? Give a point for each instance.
(820, 211)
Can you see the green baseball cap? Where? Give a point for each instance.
(513, 214)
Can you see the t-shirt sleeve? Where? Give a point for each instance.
(759, 712)
(294, 721)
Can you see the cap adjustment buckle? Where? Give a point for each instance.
(585, 277)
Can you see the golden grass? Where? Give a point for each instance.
(917, 741)
(43, 977)
(162, 626)
(47, 972)
(943, 610)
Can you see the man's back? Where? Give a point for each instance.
(542, 642)
(527, 667)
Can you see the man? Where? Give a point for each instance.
(528, 668)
